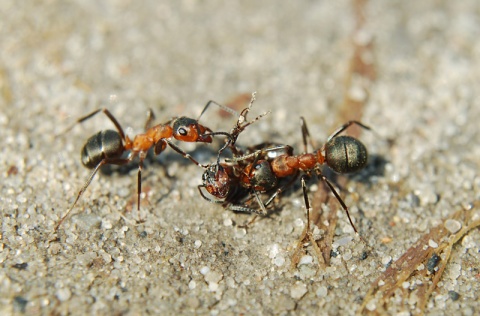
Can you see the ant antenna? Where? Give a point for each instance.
(221, 106)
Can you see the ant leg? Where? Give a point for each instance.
(106, 161)
(243, 115)
(345, 126)
(184, 154)
(307, 201)
(243, 118)
(281, 189)
(244, 209)
(139, 180)
(207, 198)
(263, 211)
(339, 199)
(228, 142)
(307, 233)
(150, 118)
(261, 153)
(88, 116)
(305, 135)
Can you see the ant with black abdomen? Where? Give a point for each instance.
(243, 177)
(108, 146)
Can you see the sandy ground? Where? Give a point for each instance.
(183, 255)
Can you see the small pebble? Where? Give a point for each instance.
(342, 241)
(63, 294)
(20, 304)
(306, 260)
(213, 287)
(213, 277)
(452, 225)
(357, 93)
(322, 291)
(432, 244)
(453, 295)
(298, 290)
(240, 233)
(347, 256)
(371, 306)
(106, 224)
(386, 260)
(298, 222)
(197, 244)
(476, 216)
(433, 262)
(274, 250)
(279, 261)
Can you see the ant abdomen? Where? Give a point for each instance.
(104, 144)
(345, 154)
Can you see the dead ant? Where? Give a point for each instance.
(261, 170)
(222, 180)
(107, 147)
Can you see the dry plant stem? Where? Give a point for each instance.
(361, 73)
(407, 264)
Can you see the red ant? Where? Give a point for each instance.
(261, 170)
(107, 147)
(222, 180)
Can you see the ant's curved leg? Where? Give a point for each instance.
(207, 198)
(184, 154)
(282, 188)
(306, 200)
(337, 196)
(345, 126)
(263, 210)
(228, 142)
(244, 209)
(161, 147)
(88, 116)
(230, 207)
(306, 135)
(106, 161)
(307, 233)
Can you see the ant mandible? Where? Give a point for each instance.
(107, 147)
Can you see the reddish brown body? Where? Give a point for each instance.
(284, 165)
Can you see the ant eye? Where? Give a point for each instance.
(182, 131)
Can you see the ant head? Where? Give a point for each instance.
(216, 181)
(189, 130)
(345, 154)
